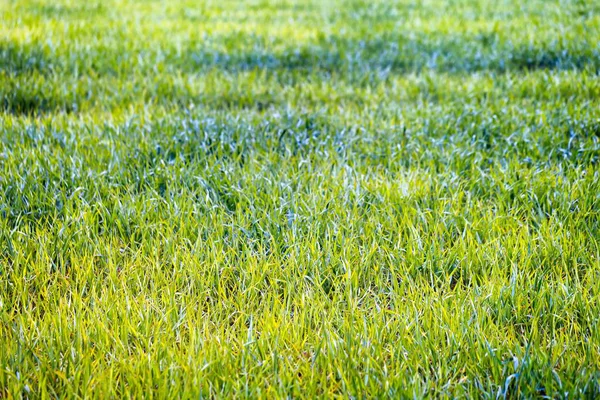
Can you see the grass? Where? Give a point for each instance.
(299, 199)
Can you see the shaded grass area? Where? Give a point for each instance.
(37, 81)
(385, 53)
(309, 199)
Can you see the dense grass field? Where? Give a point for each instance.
(308, 199)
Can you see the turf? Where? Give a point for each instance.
(299, 199)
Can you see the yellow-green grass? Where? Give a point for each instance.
(299, 199)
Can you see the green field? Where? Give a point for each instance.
(322, 198)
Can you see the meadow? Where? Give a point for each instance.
(304, 199)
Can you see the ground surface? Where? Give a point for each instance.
(360, 198)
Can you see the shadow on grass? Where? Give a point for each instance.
(34, 104)
(33, 97)
(22, 59)
(332, 54)
(334, 57)
(345, 56)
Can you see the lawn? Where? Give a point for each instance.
(321, 198)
